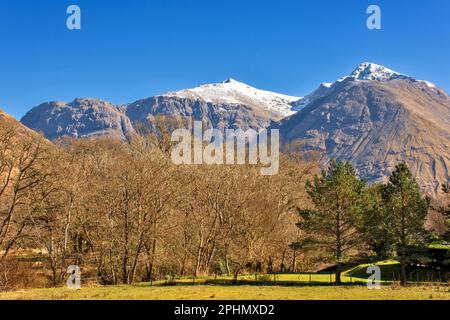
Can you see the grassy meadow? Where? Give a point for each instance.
(305, 286)
(238, 292)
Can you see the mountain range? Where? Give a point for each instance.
(374, 117)
(230, 104)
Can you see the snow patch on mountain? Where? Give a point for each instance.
(375, 72)
(428, 83)
(238, 93)
(366, 71)
(318, 93)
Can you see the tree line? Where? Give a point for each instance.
(125, 213)
(350, 217)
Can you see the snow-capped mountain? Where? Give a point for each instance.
(376, 118)
(366, 71)
(375, 72)
(238, 93)
(229, 104)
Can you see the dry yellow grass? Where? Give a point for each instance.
(215, 292)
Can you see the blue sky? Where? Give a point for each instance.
(133, 49)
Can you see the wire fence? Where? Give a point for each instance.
(329, 278)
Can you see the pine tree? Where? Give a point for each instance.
(406, 211)
(376, 224)
(332, 225)
(446, 210)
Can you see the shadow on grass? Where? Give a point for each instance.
(282, 283)
(352, 276)
(390, 272)
(255, 283)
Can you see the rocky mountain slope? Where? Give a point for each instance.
(376, 118)
(7, 121)
(82, 118)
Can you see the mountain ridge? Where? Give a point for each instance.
(81, 118)
(374, 117)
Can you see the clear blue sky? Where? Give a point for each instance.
(133, 49)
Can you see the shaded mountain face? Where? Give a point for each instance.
(82, 118)
(227, 105)
(376, 118)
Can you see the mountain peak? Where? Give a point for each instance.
(376, 72)
(231, 81)
(88, 101)
(233, 92)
